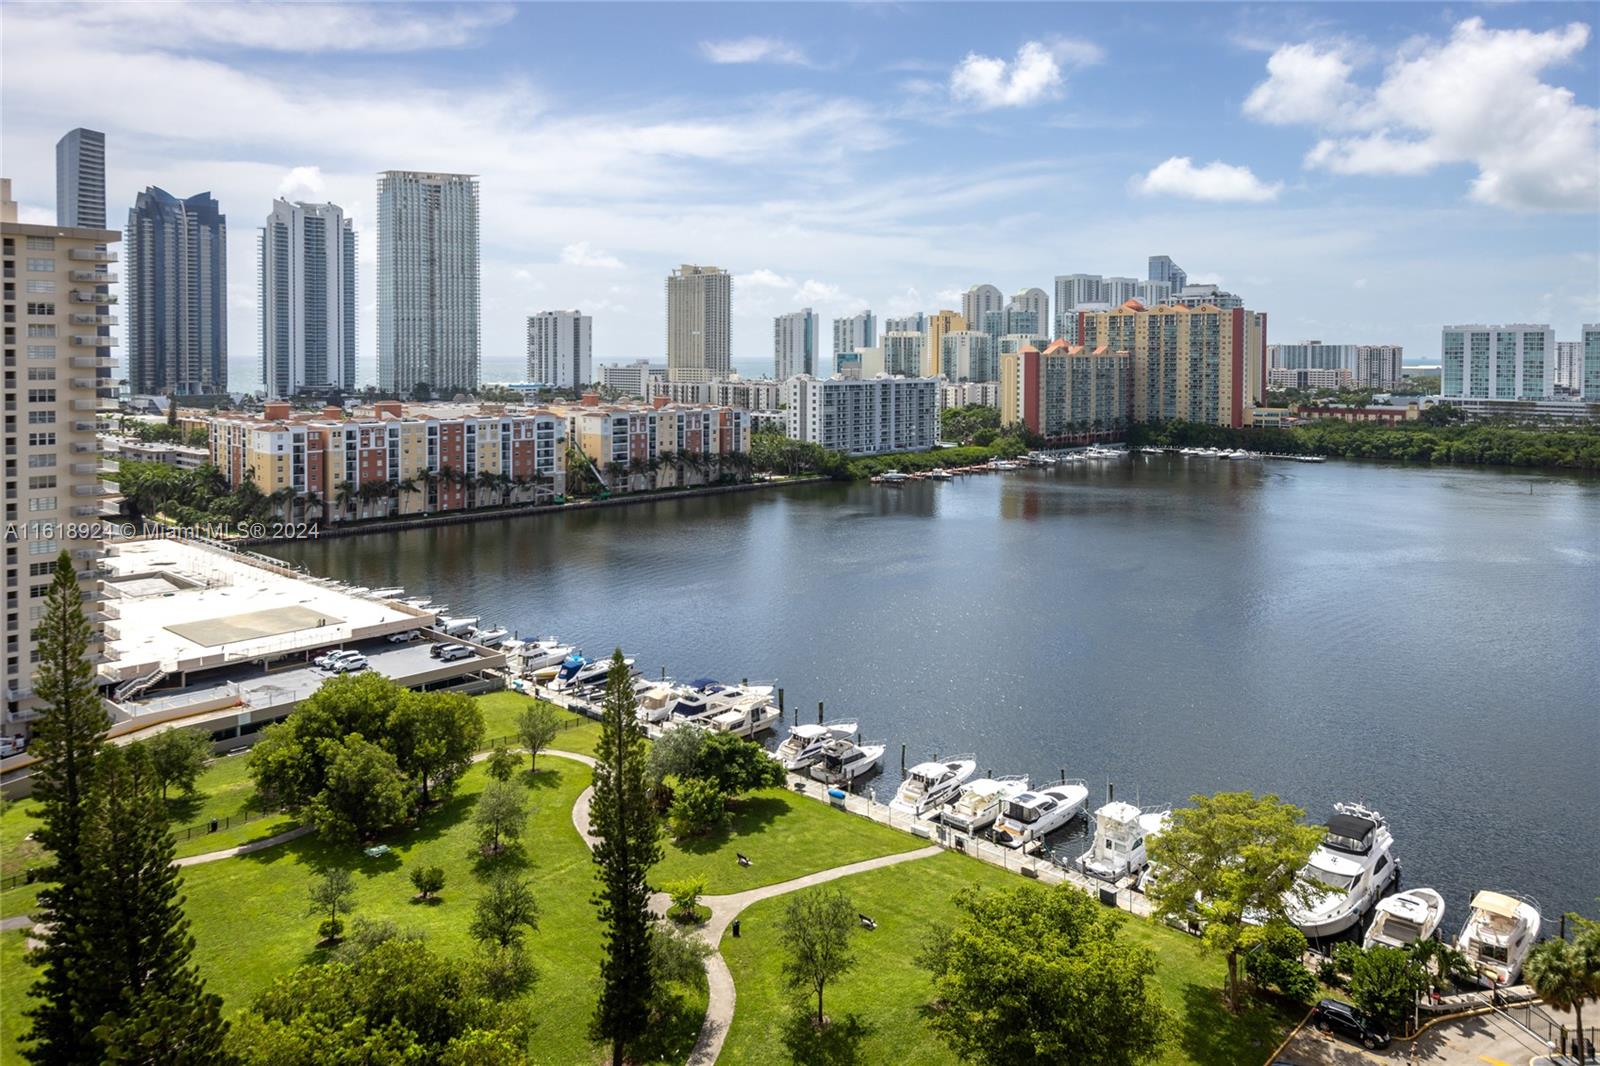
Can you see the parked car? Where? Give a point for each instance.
(10, 746)
(451, 652)
(404, 636)
(332, 660)
(1332, 1016)
(349, 664)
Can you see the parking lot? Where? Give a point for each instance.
(1484, 1039)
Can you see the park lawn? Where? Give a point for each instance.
(886, 989)
(15, 977)
(502, 709)
(19, 900)
(785, 835)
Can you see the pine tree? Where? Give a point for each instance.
(138, 990)
(67, 736)
(623, 819)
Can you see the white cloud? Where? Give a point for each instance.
(1216, 181)
(303, 184)
(762, 279)
(1478, 98)
(582, 254)
(1034, 75)
(754, 50)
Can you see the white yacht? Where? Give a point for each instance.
(843, 761)
(655, 700)
(1030, 816)
(1348, 872)
(744, 715)
(978, 804)
(1404, 918)
(1498, 935)
(455, 627)
(929, 784)
(803, 745)
(1121, 834)
(540, 654)
(490, 638)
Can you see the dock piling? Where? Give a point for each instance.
(902, 760)
(819, 712)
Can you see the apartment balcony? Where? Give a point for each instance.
(89, 318)
(85, 362)
(81, 426)
(88, 553)
(92, 255)
(89, 296)
(85, 405)
(93, 277)
(93, 340)
(86, 448)
(89, 469)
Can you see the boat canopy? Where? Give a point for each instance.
(1497, 903)
(1349, 832)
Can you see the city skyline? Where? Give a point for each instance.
(1275, 196)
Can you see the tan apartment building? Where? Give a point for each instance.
(939, 323)
(57, 371)
(1066, 390)
(654, 444)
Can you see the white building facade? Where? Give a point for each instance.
(860, 330)
(902, 354)
(1510, 362)
(307, 296)
(794, 344)
(978, 301)
(632, 379)
(865, 416)
(967, 355)
(699, 323)
(429, 314)
(561, 349)
(1378, 366)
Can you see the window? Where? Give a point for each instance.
(40, 287)
(42, 309)
(42, 503)
(41, 329)
(41, 373)
(41, 440)
(41, 547)
(42, 460)
(41, 244)
(41, 351)
(41, 418)
(42, 481)
(41, 395)
(40, 569)
(39, 592)
(43, 266)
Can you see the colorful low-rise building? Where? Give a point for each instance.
(1066, 390)
(642, 447)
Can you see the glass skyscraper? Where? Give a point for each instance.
(428, 306)
(307, 299)
(177, 295)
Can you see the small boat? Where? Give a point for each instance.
(567, 671)
(455, 627)
(490, 638)
(1347, 873)
(1122, 834)
(1500, 931)
(1030, 816)
(1404, 918)
(803, 746)
(891, 477)
(941, 474)
(386, 594)
(930, 784)
(745, 716)
(978, 803)
(844, 761)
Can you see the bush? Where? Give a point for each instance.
(698, 807)
(428, 881)
(505, 972)
(1277, 962)
(686, 897)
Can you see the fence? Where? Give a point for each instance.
(1550, 1031)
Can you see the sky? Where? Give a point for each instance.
(1364, 173)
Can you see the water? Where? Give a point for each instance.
(1426, 641)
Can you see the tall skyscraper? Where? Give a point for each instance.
(1569, 366)
(561, 349)
(1378, 365)
(177, 295)
(978, 301)
(967, 355)
(903, 354)
(1514, 362)
(1162, 268)
(308, 299)
(856, 332)
(699, 323)
(1035, 301)
(81, 179)
(1118, 291)
(1073, 291)
(1591, 361)
(937, 325)
(428, 307)
(794, 344)
(58, 370)
(916, 322)
(1197, 364)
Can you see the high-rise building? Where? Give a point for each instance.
(1378, 365)
(1015, 342)
(863, 416)
(1207, 296)
(994, 324)
(1515, 362)
(1591, 362)
(1163, 269)
(903, 354)
(1072, 291)
(1312, 355)
(935, 327)
(916, 322)
(429, 326)
(81, 179)
(979, 301)
(1153, 293)
(1118, 291)
(177, 290)
(1569, 367)
(794, 344)
(632, 379)
(561, 349)
(1033, 301)
(967, 355)
(1200, 364)
(858, 331)
(307, 296)
(1066, 389)
(699, 329)
(58, 373)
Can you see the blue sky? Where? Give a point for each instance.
(1362, 172)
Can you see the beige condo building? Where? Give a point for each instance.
(939, 323)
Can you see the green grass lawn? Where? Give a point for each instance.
(886, 989)
(15, 976)
(502, 709)
(785, 836)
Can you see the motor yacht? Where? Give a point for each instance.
(1030, 816)
(538, 655)
(490, 638)
(941, 475)
(978, 803)
(744, 715)
(566, 674)
(1122, 833)
(1499, 932)
(1348, 872)
(655, 700)
(455, 627)
(594, 673)
(844, 761)
(1404, 918)
(803, 746)
(930, 784)
(891, 477)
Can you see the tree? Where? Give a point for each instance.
(678, 955)
(538, 726)
(1039, 975)
(364, 792)
(428, 881)
(736, 765)
(501, 813)
(627, 844)
(1274, 959)
(816, 930)
(1230, 855)
(433, 736)
(1385, 983)
(686, 895)
(503, 763)
(1567, 973)
(67, 738)
(505, 912)
(676, 753)
(290, 762)
(134, 983)
(698, 807)
(178, 757)
(333, 893)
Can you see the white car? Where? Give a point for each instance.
(451, 652)
(332, 660)
(403, 637)
(349, 664)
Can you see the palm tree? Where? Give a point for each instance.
(616, 471)
(282, 502)
(309, 500)
(343, 495)
(1566, 973)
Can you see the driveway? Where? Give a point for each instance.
(1483, 1040)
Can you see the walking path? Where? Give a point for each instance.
(244, 849)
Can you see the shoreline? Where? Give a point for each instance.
(483, 514)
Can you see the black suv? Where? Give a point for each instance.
(1331, 1016)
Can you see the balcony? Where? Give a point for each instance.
(93, 277)
(85, 362)
(89, 296)
(89, 318)
(81, 426)
(88, 553)
(86, 468)
(85, 405)
(91, 255)
(93, 340)
(86, 448)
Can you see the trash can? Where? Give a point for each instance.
(1108, 896)
(213, 825)
(736, 928)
